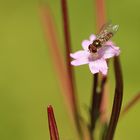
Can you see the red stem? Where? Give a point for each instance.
(68, 61)
(94, 106)
(100, 20)
(67, 37)
(100, 13)
(117, 100)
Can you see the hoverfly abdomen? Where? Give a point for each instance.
(108, 36)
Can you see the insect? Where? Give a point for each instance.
(106, 32)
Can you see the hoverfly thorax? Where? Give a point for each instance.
(94, 46)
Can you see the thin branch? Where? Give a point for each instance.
(117, 100)
(52, 124)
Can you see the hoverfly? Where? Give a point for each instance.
(105, 34)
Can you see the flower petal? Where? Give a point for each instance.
(80, 61)
(79, 54)
(93, 66)
(92, 37)
(98, 65)
(108, 51)
(109, 43)
(85, 44)
(103, 66)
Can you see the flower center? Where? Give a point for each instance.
(93, 56)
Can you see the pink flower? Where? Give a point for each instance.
(97, 61)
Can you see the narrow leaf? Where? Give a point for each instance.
(130, 104)
(52, 38)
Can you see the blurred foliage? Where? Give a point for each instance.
(28, 81)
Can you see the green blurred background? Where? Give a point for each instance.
(28, 82)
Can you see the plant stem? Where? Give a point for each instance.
(100, 13)
(68, 61)
(117, 100)
(95, 103)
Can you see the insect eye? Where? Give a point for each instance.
(90, 47)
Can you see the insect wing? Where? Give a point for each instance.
(106, 29)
